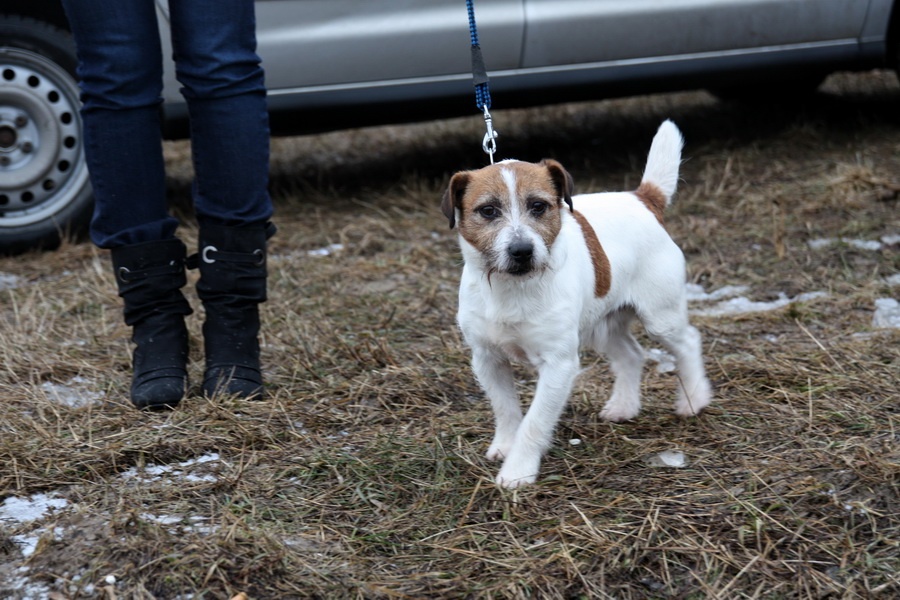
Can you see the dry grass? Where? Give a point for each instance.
(362, 475)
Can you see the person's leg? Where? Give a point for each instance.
(216, 62)
(120, 68)
(120, 72)
(223, 83)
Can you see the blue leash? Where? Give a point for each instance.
(482, 89)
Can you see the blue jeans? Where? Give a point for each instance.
(120, 67)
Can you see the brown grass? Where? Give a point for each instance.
(362, 475)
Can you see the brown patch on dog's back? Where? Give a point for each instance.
(602, 270)
(653, 198)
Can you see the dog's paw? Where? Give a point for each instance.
(500, 447)
(497, 452)
(693, 406)
(518, 473)
(509, 479)
(621, 406)
(619, 414)
(513, 483)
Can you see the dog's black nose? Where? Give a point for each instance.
(521, 251)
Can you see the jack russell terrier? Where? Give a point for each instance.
(547, 273)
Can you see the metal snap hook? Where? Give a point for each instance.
(489, 143)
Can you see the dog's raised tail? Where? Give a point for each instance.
(664, 160)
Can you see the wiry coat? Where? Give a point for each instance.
(547, 273)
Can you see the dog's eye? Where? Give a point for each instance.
(489, 211)
(538, 207)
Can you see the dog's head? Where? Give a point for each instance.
(510, 212)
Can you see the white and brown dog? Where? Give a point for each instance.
(547, 273)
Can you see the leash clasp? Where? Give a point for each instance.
(489, 143)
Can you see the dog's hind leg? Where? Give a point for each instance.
(495, 375)
(694, 392)
(683, 340)
(626, 359)
(535, 433)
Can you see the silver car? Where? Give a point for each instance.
(345, 63)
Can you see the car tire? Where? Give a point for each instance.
(45, 192)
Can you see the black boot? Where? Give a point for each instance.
(232, 262)
(150, 277)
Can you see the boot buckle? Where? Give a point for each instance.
(257, 257)
(205, 254)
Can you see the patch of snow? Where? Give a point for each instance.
(27, 543)
(162, 519)
(9, 282)
(27, 510)
(864, 244)
(696, 293)
(862, 335)
(326, 251)
(668, 458)
(194, 523)
(152, 473)
(27, 589)
(819, 243)
(72, 393)
(741, 305)
(890, 240)
(19, 511)
(574, 442)
(893, 279)
(887, 314)
(79, 343)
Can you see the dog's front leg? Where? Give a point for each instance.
(495, 374)
(535, 434)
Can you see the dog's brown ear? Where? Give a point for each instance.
(565, 185)
(453, 196)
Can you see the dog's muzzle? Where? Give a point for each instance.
(521, 255)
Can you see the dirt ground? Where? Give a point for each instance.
(362, 474)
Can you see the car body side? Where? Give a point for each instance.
(409, 60)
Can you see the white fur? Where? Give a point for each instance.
(664, 159)
(544, 319)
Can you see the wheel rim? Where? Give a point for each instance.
(41, 157)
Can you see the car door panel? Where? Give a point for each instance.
(335, 42)
(561, 32)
